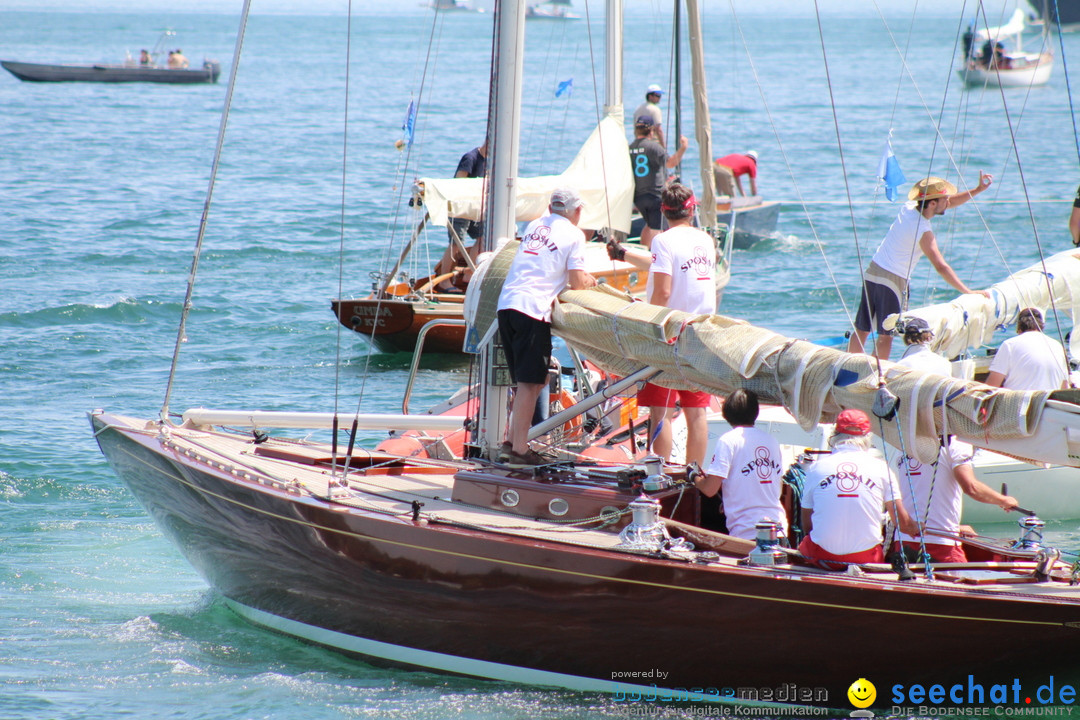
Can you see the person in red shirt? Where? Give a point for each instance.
(728, 169)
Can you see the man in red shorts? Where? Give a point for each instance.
(682, 276)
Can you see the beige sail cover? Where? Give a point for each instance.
(601, 173)
(970, 320)
(719, 354)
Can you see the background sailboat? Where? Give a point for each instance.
(552, 10)
(989, 62)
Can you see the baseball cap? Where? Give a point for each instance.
(565, 199)
(654, 88)
(853, 422)
(644, 121)
(916, 325)
(752, 154)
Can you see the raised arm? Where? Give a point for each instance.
(960, 198)
(676, 157)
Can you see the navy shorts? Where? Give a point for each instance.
(527, 344)
(883, 302)
(649, 207)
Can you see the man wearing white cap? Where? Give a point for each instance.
(651, 107)
(550, 257)
(885, 287)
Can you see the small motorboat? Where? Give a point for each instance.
(99, 72)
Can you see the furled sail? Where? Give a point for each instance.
(719, 354)
(970, 320)
(601, 173)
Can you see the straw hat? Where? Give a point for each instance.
(931, 188)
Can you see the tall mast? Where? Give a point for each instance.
(702, 121)
(613, 65)
(504, 124)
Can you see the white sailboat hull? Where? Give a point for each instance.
(1037, 72)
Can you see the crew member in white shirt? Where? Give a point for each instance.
(550, 258)
(918, 355)
(1030, 360)
(910, 237)
(682, 276)
(935, 495)
(746, 469)
(845, 495)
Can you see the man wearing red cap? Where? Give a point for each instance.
(844, 496)
(885, 287)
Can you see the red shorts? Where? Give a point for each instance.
(939, 552)
(657, 396)
(821, 557)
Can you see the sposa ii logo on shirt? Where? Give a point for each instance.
(701, 264)
(539, 239)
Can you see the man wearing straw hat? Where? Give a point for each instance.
(911, 235)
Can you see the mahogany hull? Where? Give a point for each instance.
(554, 614)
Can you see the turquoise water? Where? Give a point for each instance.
(103, 187)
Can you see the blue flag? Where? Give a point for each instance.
(889, 171)
(409, 126)
(566, 86)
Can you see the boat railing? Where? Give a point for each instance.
(420, 336)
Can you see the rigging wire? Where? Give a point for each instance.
(801, 201)
(599, 111)
(434, 38)
(181, 332)
(843, 168)
(1031, 215)
(341, 249)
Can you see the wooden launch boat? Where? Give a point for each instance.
(393, 318)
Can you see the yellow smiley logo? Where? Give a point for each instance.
(862, 693)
